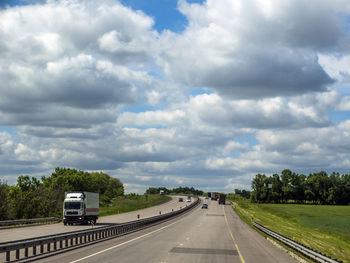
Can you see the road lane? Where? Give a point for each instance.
(13, 234)
(202, 235)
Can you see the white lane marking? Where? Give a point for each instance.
(126, 242)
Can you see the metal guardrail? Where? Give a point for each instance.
(29, 248)
(29, 221)
(308, 252)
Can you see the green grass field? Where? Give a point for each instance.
(323, 228)
(127, 204)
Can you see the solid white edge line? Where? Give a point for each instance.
(126, 242)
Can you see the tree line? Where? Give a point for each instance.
(178, 190)
(34, 198)
(316, 188)
(244, 193)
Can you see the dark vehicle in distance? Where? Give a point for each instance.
(204, 206)
(181, 199)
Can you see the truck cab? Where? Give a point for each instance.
(74, 204)
(80, 207)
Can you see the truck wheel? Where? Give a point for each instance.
(65, 222)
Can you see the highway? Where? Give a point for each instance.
(13, 234)
(215, 234)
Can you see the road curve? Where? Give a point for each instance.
(202, 235)
(12, 234)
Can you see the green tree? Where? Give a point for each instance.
(27, 198)
(259, 189)
(276, 190)
(287, 189)
(243, 193)
(335, 190)
(67, 180)
(4, 204)
(298, 187)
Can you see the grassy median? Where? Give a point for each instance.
(132, 202)
(323, 228)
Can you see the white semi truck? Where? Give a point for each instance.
(80, 207)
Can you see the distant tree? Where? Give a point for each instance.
(179, 190)
(4, 205)
(27, 198)
(66, 180)
(320, 185)
(334, 192)
(243, 193)
(298, 187)
(246, 193)
(259, 189)
(156, 190)
(317, 188)
(287, 189)
(152, 191)
(339, 192)
(276, 190)
(344, 198)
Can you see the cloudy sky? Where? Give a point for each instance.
(174, 93)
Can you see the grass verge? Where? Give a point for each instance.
(125, 204)
(323, 228)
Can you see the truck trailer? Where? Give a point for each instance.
(214, 196)
(80, 207)
(222, 199)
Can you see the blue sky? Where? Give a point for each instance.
(164, 12)
(184, 93)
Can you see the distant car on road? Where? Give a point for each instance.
(206, 197)
(181, 199)
(204, 206)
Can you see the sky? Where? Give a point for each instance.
(174, 93)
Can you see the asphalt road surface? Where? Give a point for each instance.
(13, 234)
(215, 234)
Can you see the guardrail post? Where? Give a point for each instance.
(7, 255)
(34, 250)
(17, 253)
